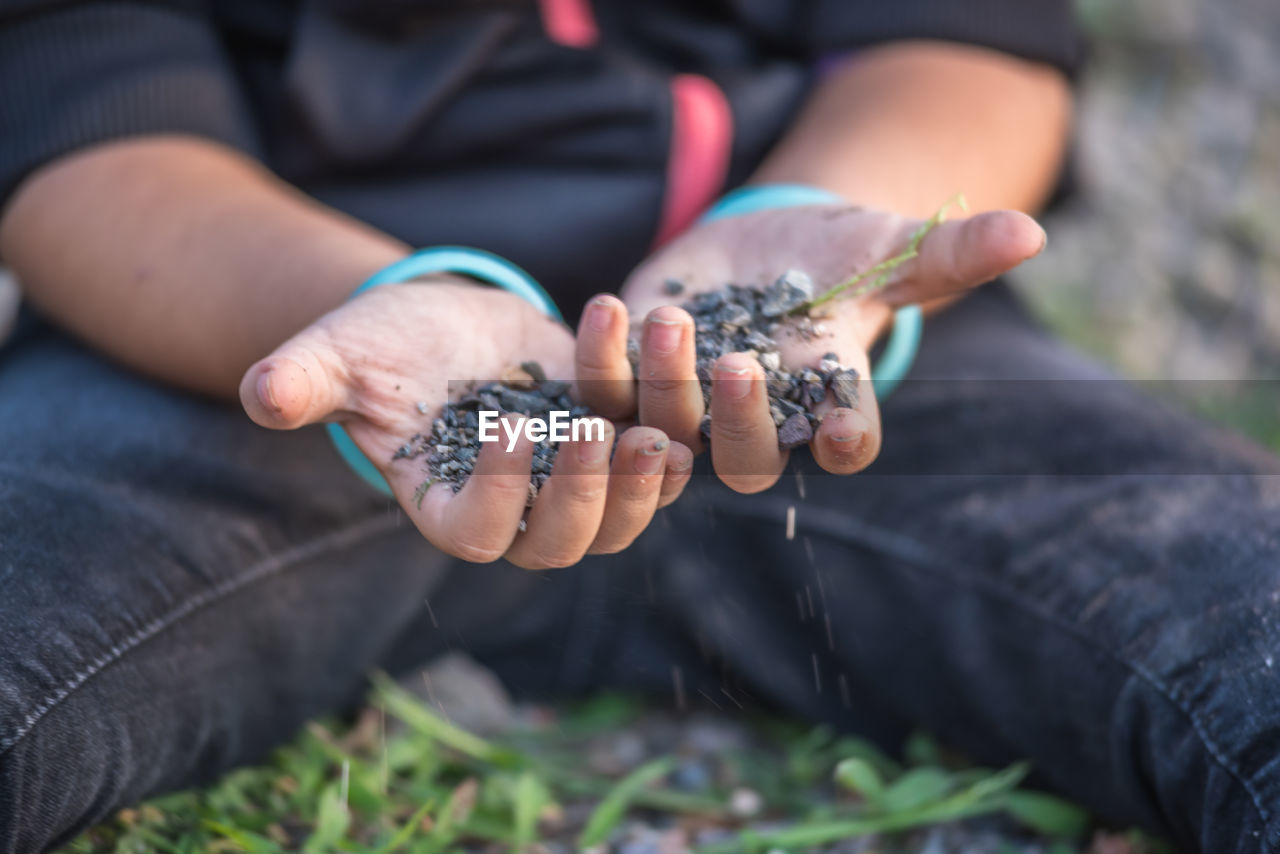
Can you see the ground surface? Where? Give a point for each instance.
(606, 776)
(1167, 265)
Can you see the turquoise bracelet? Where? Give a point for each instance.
(440, 259)
(904, 341)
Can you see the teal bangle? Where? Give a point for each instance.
(908, 321)
(485, 266)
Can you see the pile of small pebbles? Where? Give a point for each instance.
(739, 319)
(452, 446)
(735, 319)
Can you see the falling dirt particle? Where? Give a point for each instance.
(677, 681)
(725, 691)
(791, 522)
(817, 675)
(844, 692)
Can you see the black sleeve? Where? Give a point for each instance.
(1040, 30)
(73, 74)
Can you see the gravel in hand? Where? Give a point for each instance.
(734, 319)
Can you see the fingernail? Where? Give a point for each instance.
(846, 427)
(594, 451)
(662, 335)
(682, 465)
(651, 459)
(265, 395)
(600, 315)
(735, 383)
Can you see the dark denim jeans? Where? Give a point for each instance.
(1044, 563)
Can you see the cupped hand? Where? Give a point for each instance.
(832, 243)
(369, 364)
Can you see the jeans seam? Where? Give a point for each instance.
(266, 568)
(912, 551)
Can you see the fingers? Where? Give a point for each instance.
(670, 397)
(960, 255)
(744, 440)
(604, 379)
(480, 523)
(566, 515)
(302, 382)
(638, 477)
(589, 504)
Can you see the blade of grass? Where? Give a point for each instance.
(247, 840)
(406, 832)
(610, 810)
(406, 707)
(333, 819)
(1046, 814)
(884, 269)
(981, 798)
(531, 796)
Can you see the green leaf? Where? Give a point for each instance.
(999, 782)
(531, 796)
(917, 787)
(848, 746)
(406, 707)
(859, 775)
(1046, 814)
(249, 841)
(332, 821)
(611, 809)
(407, 830)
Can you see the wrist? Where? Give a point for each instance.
(750, 198)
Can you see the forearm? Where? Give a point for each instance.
(906, 126)
(181, 258)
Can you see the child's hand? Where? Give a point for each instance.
(830, 243)
(370, 362)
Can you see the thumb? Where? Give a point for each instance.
(302, 382)
(959, 255)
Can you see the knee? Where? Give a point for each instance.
(60, 773)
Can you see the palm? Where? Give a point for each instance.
(832, 243)
(400, 357)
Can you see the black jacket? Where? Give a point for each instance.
(465, 121)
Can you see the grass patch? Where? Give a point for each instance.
(403, 779)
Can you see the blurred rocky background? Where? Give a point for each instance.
(1167, 261)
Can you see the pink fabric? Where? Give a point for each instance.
(570, 23)
(701, 143)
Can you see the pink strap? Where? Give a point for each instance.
(569, 23)
(701, 144)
